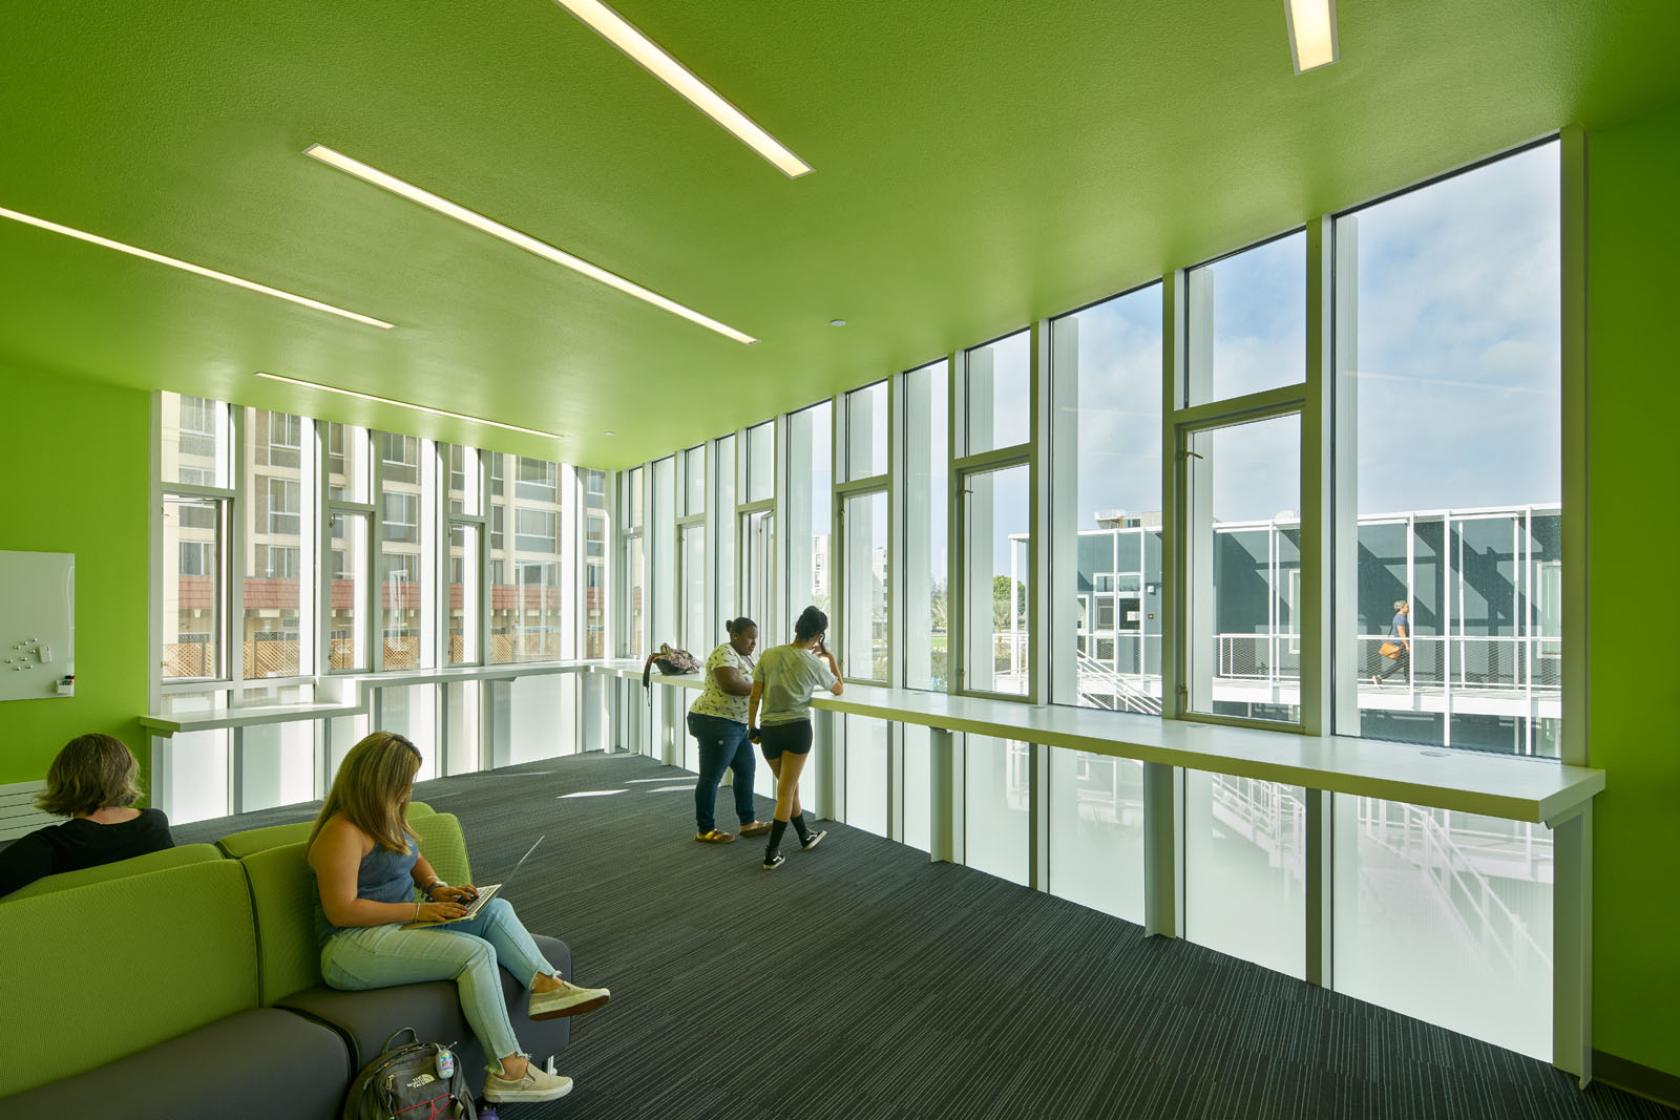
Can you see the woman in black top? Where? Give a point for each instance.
(93, 782)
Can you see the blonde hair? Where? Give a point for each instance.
(91, 773)
(371, 790)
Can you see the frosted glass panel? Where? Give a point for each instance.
(1245, 865)
(997, 793)
(1096, 832)
(866, 774)
(343, 732)
(918, 787)
(1446, 917)
(278, 766)
(461, 738)
(198, 776)
(411, 711)
(536, 724)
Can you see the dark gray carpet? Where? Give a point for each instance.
(860, 981)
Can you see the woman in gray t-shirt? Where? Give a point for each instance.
(779, 717)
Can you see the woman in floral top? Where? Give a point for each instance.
(719, 720)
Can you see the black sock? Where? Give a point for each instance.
(802, 828)
(778, 829)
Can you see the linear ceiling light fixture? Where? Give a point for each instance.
(404, 404)
(513, 237)
(615, 30)
(1312, 33)
(188, 266)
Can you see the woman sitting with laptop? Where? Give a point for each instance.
(367, 867)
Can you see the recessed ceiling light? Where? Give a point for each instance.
(404, 404)
(513, 237)
(188, 266)
(1312, 33)
(609, 435)
(615, 30)
(837, 322)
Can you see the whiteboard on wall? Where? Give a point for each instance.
(37, 624)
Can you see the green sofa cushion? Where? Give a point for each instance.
(157, 954)
(238, 845)
(283, 893)
(139, 865)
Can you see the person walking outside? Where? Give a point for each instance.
(1398, 649)
(719, 720)
(779, 716)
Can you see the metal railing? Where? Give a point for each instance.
(1419, 838)
(1119, 693)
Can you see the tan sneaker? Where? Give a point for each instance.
(568, 999)
(536, 1085)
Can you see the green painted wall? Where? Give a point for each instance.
(74, 459)
(1634, 242)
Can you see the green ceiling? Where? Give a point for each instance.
(978, 163)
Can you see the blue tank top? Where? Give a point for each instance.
(384, 876)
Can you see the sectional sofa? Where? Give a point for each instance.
(186, 984)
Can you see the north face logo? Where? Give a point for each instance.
(422, 1080)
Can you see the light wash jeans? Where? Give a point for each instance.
(465, 952)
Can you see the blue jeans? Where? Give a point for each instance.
(465, 952)
(723, 746)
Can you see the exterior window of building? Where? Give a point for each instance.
(1105, 364)
(527, 579)
(694, 629)
(693, 481)
(997, 798)
(635, 575)
(723, 534)
(925, 531)
(1245, 869)
(808, 510)
(662, 535)
(464, 568)
(597, 533)
(761, 461)
(1244, 544)
(193, 590)
(866, 432)
(278, 598)
(996, 539)
(349, 469)
(1448, 335)
(197, 440)
(1247, 322)
(408, 535)
(865, 648)
(464, 582)
(759, 568)
(1459, 458)
(999, 393)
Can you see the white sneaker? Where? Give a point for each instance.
(568, 999)
(536, 1085)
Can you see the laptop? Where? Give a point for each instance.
(485, 894)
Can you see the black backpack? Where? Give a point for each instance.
(412, 1081)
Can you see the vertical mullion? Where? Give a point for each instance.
(1317, 560)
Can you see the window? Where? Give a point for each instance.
(348, 544)
(597, 532)
(1105, 364)
(401, 458)
(1449, 344)
(1096, 832)
(401, 517)
(723, 544)
(697, 635)
(349, 463)
(538, 481)
(864, 633)
(464, 583)
(1243, 542)
(527, 599)
(197, 441)
(808, 508)
(635, 579)
(997, 795)
(664, 561)
(758, 566)
(866, 432)
(761, 462)
(926, 558)
(193, 593)
(694, 481)
(285, 435)
(1245, 869)
(998, 389)
(1247, 322)
(536, 530)
(285, 503)
(866, 774)
(996, 539)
